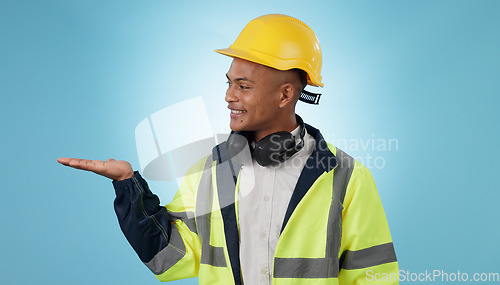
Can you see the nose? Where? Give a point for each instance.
(230, 96)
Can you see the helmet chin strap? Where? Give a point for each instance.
(309, 97)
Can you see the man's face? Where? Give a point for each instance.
(253, 96)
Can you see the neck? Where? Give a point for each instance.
(288, 124)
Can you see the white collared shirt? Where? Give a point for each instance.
(264, 194)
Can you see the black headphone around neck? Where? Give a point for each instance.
(270, 150)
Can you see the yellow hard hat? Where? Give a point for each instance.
(281, 42)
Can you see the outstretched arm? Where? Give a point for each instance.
(144, 222)
(165, 241)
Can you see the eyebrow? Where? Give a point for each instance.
(240, 79)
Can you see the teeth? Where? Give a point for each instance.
(237, 112)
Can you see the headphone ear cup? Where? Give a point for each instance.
(270, 150)
(237, 142)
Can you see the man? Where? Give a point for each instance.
(275, 204)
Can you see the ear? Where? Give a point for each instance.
(287, 95)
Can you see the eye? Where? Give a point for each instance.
(244, 87)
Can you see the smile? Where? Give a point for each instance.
(237, 112)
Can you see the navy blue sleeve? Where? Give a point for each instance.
(142, 220)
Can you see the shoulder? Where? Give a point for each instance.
(193, 175)
(346, 161)
(349, 171)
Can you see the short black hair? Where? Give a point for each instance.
(302, 76)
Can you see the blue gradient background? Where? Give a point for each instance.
(78, 76)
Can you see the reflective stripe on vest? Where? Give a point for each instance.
(186, 217)
(168, 256)
(210, 255)
(172, 253)
(372, 256)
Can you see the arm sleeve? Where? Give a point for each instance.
(368, 255)
(164, 238)
(143, 221)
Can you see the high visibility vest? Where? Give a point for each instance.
(334, 232)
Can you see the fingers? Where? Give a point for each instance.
(72, 162)
(81, 164)
(64, 160)
(84, 164)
